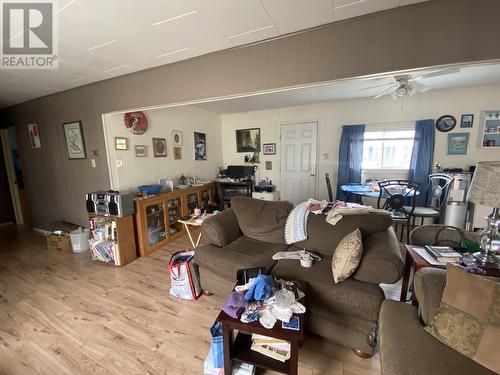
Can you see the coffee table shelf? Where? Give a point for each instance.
(241, 350)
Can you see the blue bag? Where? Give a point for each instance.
(217, 345)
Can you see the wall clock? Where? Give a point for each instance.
(136, 122)
(446, 123)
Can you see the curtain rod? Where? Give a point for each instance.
(391, 122)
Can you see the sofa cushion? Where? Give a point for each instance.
(262, 220)
(242, 253)
(221, 229)
(406, 348)
(347, 256)
(351, 297)
(324, 237)
(429, 284)
(468, 319)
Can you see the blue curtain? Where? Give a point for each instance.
(422, 157)
(350, 157)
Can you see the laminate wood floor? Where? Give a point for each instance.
(62, 314)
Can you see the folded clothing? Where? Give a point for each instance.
(261, 289)
(235, 305)
(336, 214)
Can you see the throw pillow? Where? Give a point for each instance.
(347, 256)
(468, 319)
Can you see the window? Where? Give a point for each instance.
(387, 149)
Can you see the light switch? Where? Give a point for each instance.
(119, 163)
(92, 163)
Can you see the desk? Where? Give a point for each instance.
(228, 189)
(188, 223)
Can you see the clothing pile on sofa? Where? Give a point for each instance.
(264, 299)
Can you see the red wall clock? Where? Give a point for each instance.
(136, 122)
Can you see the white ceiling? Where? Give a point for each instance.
(352, 89)
(103, 39)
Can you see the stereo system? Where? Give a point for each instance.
(110, 203)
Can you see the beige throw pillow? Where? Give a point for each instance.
(347, 256)
(468, 319)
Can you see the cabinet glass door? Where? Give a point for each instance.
(155, 223)
(174, 214)
(204, 200)
(192, 202)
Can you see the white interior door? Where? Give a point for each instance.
(298, 161)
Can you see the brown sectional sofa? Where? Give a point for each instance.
(248, 234)
(406, 348)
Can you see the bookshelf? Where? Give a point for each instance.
(112, 239)
(489, 129)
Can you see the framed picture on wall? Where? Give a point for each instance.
(121, 143)
(269, 148)
(160, 147)
(177, 153)
(457, 144)
(248, 140)
(75, 142)
(467, 121)
(176, 137)
(200, 146)
(34, 134)
(140, 151)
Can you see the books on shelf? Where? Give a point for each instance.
(271, 347)
(443, 254)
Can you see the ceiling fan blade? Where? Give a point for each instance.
(386, 91)
(438, 73)
(375, 86)
(420, 86)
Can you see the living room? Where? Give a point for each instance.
(186, 121)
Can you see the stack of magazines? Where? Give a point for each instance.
(271, 347)
(443, 254)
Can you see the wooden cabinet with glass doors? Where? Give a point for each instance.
(157, 216)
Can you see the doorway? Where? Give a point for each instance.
(298, 161)
(7, 215)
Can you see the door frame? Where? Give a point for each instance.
(281, 124)
(11, 176)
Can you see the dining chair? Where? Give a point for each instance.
(395, 194)
(329, 187)
(436, 194)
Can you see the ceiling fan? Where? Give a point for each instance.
(408, 84)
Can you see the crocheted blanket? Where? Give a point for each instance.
(296, 224)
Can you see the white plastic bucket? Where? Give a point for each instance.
(79, 240)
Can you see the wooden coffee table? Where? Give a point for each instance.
(239, 348)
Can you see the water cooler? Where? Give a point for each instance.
(456, 205)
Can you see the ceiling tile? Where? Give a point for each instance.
(255, 36)
(344, 9)
(233, 17)
(293, 15)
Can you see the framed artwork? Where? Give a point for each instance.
(176, 138)
(160, 147)
(248, 140)
(200, 146)
(269, 165)
(177, 153)
(140, 151)
(136, 122)
(34, 134)
(446, 123)
(457, 144)
(75, 142)
(269, 148)
(121, 143)
(467, 121)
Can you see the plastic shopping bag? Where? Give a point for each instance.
(217, 345)
(184, 277)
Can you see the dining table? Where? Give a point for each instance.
(362, 190)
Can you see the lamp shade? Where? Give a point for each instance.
(485, 186)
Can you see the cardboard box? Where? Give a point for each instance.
(60, 243)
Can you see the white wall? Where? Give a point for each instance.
(138, 171)
(373, 112)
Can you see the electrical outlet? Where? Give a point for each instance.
(324, 156)
(119, 163)
(92, 163)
